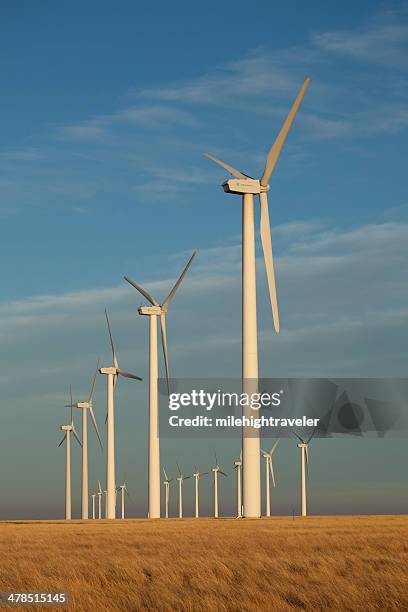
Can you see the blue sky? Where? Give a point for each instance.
(107, 110)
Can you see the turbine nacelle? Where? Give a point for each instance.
(83, 405)
(67, 428)
(111, 370)
(247, 185)
(302, 445)
(151, 310)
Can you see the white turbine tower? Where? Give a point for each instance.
(166, 484)
(85, 407)
(67, 438)
(197, 475)
(181, 480)
(267, 455)
(123, 489)
(246, 186)
(304, 470)
(93, 505)
(153, 311)
(112, 373)
(238, 467)
(100, 493)
(216, 470)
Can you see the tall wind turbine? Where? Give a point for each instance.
(216, 470)
(100, 493)
(238, 467)
(93, 505)
(247, 187)
(166, 484)
(123, 489)
(153, 311)
(304, 470)
(181, 480)
(112, 373)
(85, 406)
(197, 475)
(267, 455)
(67, 438)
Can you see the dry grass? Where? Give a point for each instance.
(318, 563)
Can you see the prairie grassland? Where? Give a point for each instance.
(317, 563)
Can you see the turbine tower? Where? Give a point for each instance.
(112, 373)
(123, 489)
(304, 470)
(269, 473)
(181, 480)
(93, 505)
(100, 493)
(153, 311)
(238, 467)
(166, 484)
(197, 475)
(85, 406)
(247, 187)
(67, 438)
(216, 470)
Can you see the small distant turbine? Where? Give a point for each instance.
(197, 475)
(166, 484)
(67, 438)
(238, 467)
(112, 372)
(153, 311)
(216, 470)
(304, 470)
(123, 489)
(269, 473)
(93, 505)
(100, 493)
(181, 480)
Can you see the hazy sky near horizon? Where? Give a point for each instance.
(107, 110)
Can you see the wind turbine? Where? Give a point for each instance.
(238, 467)
(67, 438)
(181, 480)
(153, 311)
(123, 489)
(166, 484)
(246, 186)
(304, 469)
(112, 372)
(197, 475)
(268, 473)
(85, 406)
(93, 505)
(100, 493)
(216, 470)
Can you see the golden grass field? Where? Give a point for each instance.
(317, 563)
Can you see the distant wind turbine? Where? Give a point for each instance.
(216, 470)
(238, 467)
(123, 489)
(153, 311)
(304, 470)
(100, 493)
(166, 484)
(267, 455)
(197, 475)
(247, 187)
(67, 438)
(93, 505)
(112, 372)
(181, 480)
(85, 406)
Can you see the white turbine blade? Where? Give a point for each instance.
(63, 440)
(266, 240)
(275, 150)
(115, 359)
(129, 375)
(178, 467)
(99, 485)
(271, 470)
(71, 405)
(312, 434)
(240, 455)
(165, 475)
(274, 446)
(140, 289)
(95, 425)
(307, 459)
(179, 280)
(76, 436)
(227, 167)
(93, 383)
(164, 345)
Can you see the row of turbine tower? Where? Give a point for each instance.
(247, 187)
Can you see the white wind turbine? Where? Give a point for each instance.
(123, 489)
(246, 186)
(112, 373)
(304, 470)
(216, 470)
(166, 484)
(153, 311)
(267, 455)
(181, 480)
(93, 505)
(85, 407)
(100, 493)
(67, 438)
(238, 467)
(197, 475)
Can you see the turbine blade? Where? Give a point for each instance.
(312, 434)
(307, 459)
(266, 240)
(165, 475)
(140, 289)
(115, 359)
(299, 438)
(70, 395)
(63, 440)
(93, 383)
(176, 286)
(178, 467)
(226, 166)
(76, 436)
(274, 446)
(164, 345)
(223, 473)
(99, 485)
(275, 150)
(95, 425)
(129, 375)
(271, 470)
(106, 418)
